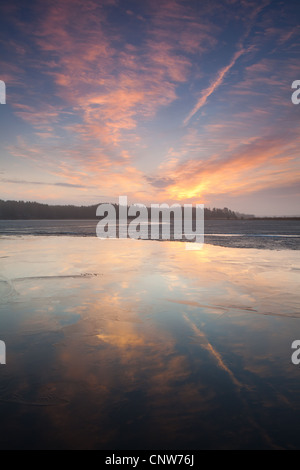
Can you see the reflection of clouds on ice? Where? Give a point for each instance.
(214, 353)
(163, 345)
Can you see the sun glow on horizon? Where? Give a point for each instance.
(163, 102)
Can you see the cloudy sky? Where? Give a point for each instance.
(158, 100)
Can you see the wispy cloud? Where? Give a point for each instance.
(263, 162)
(101, 90)
(221, 75)
(40, 183)
(214, 86)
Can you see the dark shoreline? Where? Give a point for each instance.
(273, 234)
(132, 218)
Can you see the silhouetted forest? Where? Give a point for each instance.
(13, 210)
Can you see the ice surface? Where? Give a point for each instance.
(132, 344)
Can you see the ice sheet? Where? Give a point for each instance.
(123, 343)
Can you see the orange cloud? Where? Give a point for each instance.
(109, 88)
(93, 118)
(261, 163)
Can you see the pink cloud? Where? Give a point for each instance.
(261, 163)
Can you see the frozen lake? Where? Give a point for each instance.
(258, 234)
(122, 344)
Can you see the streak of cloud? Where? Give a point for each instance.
(221, 75)
(40, 183)
(214, 86)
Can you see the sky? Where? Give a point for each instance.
(168, 101)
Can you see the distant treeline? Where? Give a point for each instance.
(14, 210)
